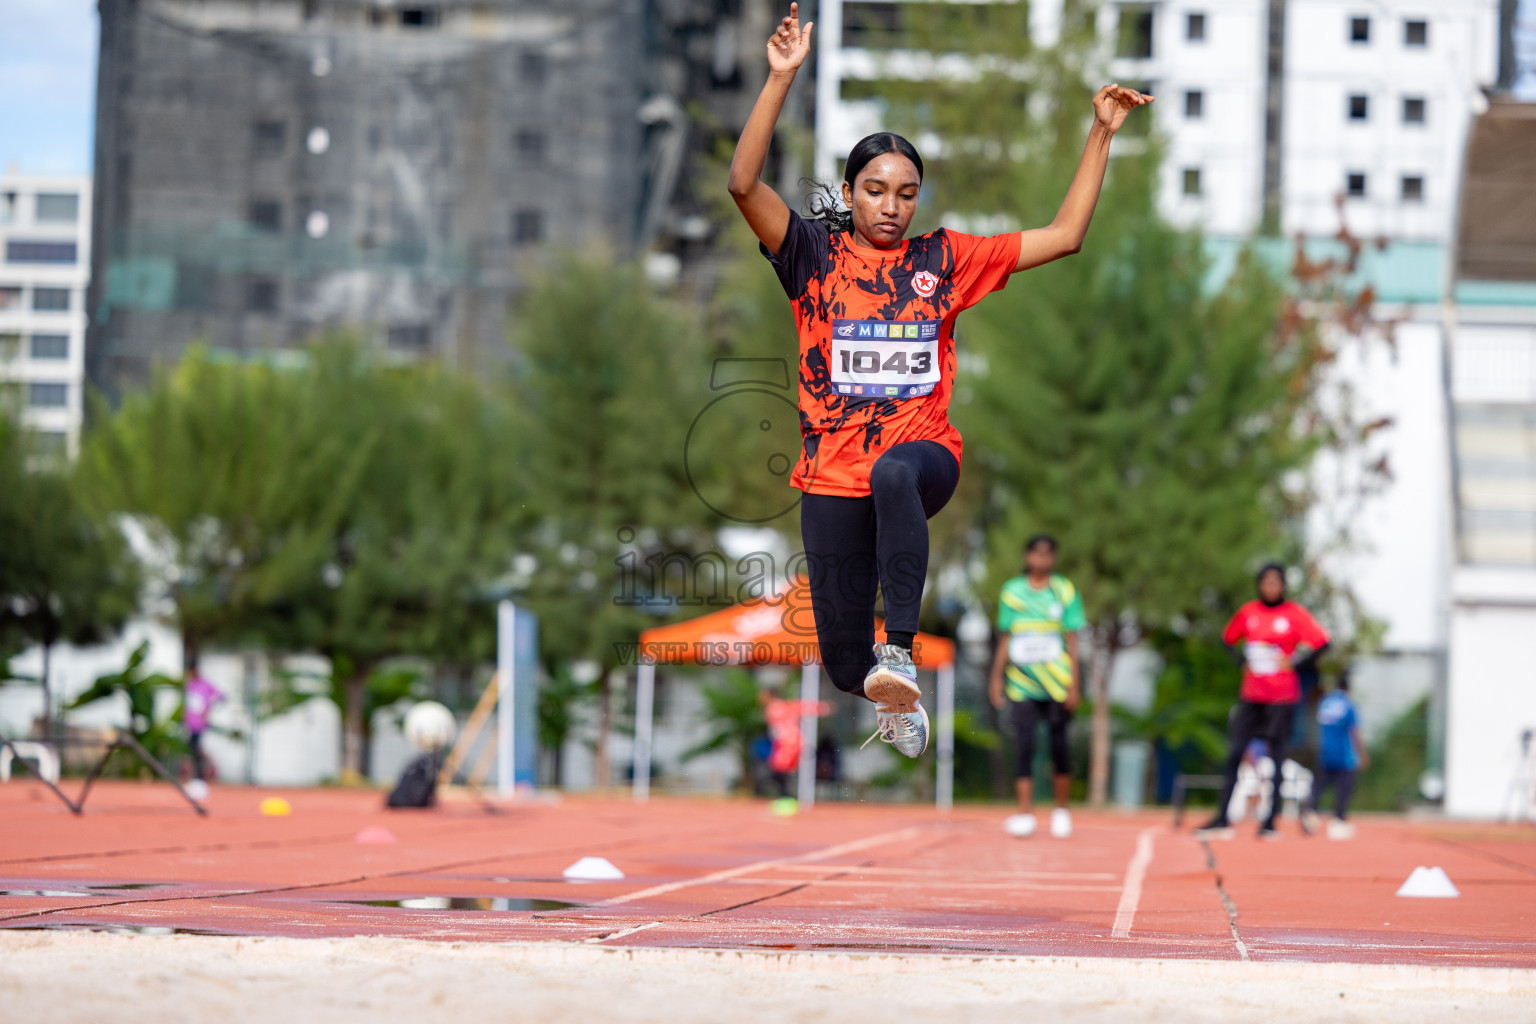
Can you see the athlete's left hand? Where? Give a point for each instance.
(1074, 697)
(1112, 103)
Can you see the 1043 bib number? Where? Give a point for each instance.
(885, 358)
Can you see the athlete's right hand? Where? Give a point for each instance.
(790, 45)
(995, 691)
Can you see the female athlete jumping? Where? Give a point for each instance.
(876, 315)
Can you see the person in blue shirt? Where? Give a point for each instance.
(1341, 757)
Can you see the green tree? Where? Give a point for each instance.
(415, 557)
(735, 713)
(65, 574)
(339, 505)
(236, 482)
(160, 735)
(608, 379)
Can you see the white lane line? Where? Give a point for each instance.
(763, 865)
(1130, 893)
(1009, 876)
(621, 933)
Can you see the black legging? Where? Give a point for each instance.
(853, 545)
(1342, 780)
(1026, 714)
(1250, 721)
(195, 747)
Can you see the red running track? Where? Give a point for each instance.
(728, 874)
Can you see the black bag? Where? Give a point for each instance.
(418, 784)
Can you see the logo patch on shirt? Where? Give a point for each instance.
(1282, 625)
(924, 283)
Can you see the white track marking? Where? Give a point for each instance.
(764, 865)
(1006, 876)
(621, 933)
(1130, 893)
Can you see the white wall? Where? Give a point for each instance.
(1492, 692)
(1399, 567)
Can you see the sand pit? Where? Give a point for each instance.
(70, 976)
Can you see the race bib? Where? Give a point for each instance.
(885, 358)
(1263, 659)
(1032, 648)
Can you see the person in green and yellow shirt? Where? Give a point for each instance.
(1036, 673)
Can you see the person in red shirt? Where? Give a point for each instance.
(1277, 637)
(875, 312)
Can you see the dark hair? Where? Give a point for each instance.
(825, 202)
(1267, 567)
(1040, 538)
(1343, 682)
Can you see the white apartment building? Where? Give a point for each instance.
(45, 242)
(1287, 111)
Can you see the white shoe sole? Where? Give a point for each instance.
(892, 692)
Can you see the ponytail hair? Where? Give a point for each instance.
(826, 204)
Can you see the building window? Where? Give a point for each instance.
(50, 346)
(10, 345)
(527, 227)
(58, 207)
(1354, 184)
(40, 252)
(419, 17)
(1413, 188)
(1135, 32)
(50, 300)
(47, 395)
(532, 145)
(266, 214)
(1359, 108)
(1359, 30)
(1413, 110)
(1191, 181)
(51, 444)
(263, 296)
(410, 337)
(1194, 28)
(533, 68)
(1415, 33)
(7, 207)
(270, 138)
(10, 297)
(1194, 104)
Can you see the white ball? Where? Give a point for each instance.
(429, 726)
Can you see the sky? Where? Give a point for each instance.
(48, 82)
(47, 85)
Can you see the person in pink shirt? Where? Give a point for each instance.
(1277, 637)
(783, 718)
(198, 700)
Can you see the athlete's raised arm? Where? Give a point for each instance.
(1064, 235)
(765, 211)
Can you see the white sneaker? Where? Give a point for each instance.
(906, 731)
(197, 789)
(892, 681)
(1061, 823)
(1340, 829)
(1021, 826)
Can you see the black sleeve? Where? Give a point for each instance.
(1310, 660)
(801, 255)
(1236, 654)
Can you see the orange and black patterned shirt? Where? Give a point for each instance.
(877, 347)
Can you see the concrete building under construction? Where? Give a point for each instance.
(271, 169)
